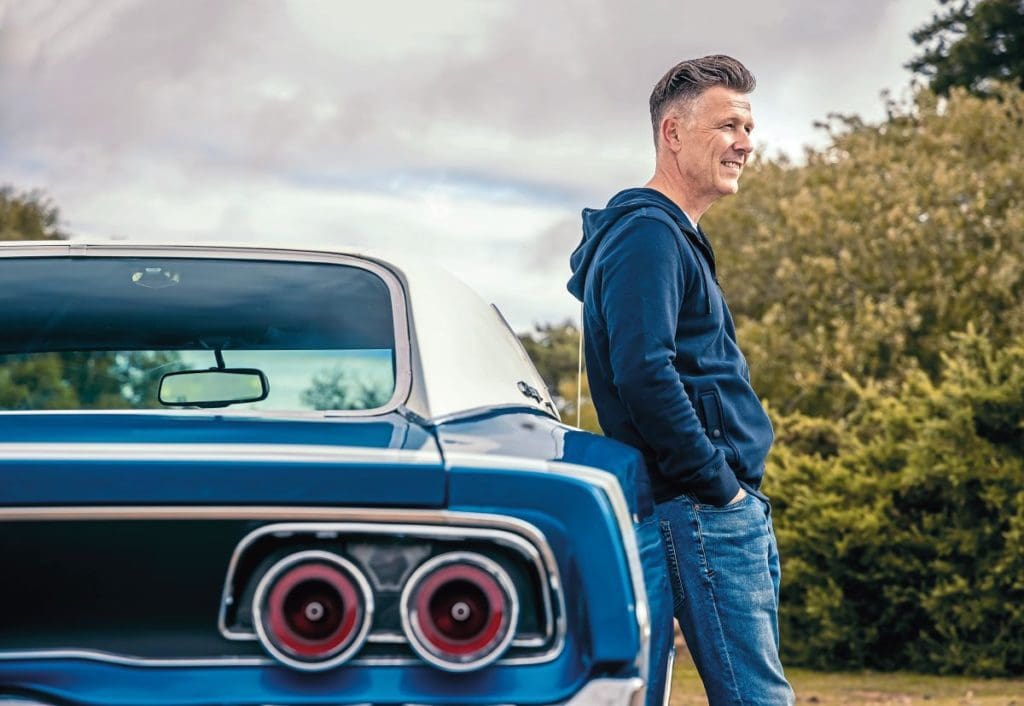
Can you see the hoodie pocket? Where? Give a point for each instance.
(714, 424)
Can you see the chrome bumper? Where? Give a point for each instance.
(610, 692)
(599, 692)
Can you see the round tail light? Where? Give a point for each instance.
(312, 610)
(459, 611)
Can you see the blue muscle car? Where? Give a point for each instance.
(242, 475)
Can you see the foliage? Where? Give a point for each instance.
(28, 216)
(972, 43)
(902, 544)
(554, 349)
(342, 389)
(83, 379)
(858, 263)
(587, 418)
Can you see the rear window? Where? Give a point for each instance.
(99, 333)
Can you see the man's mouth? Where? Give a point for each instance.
(730, 163)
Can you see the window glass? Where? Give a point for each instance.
(99, 333)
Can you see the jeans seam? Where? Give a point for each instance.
(709, 574)
(673, 561)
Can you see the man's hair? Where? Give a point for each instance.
(685, 81)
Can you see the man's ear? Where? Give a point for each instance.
(670, 132)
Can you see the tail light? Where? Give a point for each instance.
(459, 611)
(312, 610)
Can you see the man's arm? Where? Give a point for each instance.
(642, 291)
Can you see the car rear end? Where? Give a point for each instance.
(492, 598)
(313, 544)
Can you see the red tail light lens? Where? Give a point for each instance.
(459, 611)
(312, 610)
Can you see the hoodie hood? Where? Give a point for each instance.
(598, 222)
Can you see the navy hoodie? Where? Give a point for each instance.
(665, 372)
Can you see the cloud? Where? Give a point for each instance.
(239, 120)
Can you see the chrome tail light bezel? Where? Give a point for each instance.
(272, 587)
(490, 578)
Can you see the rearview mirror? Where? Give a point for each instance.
(217, 387)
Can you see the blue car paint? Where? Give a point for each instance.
(220, 482)
(585, 654)
(605, 642)
(536, 436)
(533, 435)
(83, 682)
(388, 431)
(397, 484)
(594, 568)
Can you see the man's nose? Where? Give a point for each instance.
(744, 144)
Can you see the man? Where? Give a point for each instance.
(667, 377)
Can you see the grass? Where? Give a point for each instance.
(868, 688)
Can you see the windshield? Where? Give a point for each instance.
(99, 333)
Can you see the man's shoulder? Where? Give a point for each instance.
(647, 228)
(651, 221)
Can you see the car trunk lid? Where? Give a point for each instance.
(54, 459)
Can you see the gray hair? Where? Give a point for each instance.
(687, 80)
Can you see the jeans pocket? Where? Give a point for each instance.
(732, 507)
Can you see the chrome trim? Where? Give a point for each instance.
(613, 491)
(283, 415)
(248, 512)
(386, 638)
(465, 414)
(435, 519)
(597, 692)
(274, 573)
(418, 641)
(112, 658)
(247, 453)
(526, 547)
(609, 692)
(392, 280)
(668, 677)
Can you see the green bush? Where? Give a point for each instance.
(902, 526)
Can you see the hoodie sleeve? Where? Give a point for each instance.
(643, 286)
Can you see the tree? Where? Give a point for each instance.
(344, 389)
(971, 44)
(83, 379)
(554, 349)
(28, 216)
(858, 264)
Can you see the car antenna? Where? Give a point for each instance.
(579, 371)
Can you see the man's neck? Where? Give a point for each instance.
(690, 206)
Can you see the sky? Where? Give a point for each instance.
(470, 132)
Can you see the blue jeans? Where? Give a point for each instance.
(723, 565)
(659, 601)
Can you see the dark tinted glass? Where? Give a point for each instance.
(98, 333)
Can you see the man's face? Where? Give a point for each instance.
(715, 142)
